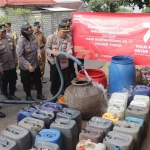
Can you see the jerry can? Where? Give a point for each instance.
(101, 123)
(129, 128)
(96, 135)
(7, 144)
(142, 98)
(120, 96)
(141, 124)
(25, 112)
(121, 140)
(89, 145)
(116, 110)
(117, 102)
(139, 112)
(32, 125)
(139, 103)
(113, 117)
(18, 134)
(72, 114)
(68, 129)
(46, 116)
(51, 136)
(41, 145)
(54, 107)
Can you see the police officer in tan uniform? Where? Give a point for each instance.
(59, 41)
(28, 54)
(41, 42)
(8, 63)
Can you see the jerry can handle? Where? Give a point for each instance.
(27, 109)
(41, 113)
(30, 122)
(122, 138)
(12, 131)
(133, 120)
(90, 131)
(63, 122)
(4, 143)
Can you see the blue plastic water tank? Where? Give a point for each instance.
(141, 90)
(122, 75)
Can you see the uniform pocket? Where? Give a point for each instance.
(2, 49)
(28, 49)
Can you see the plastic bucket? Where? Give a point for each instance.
(122, 75)
(97, 75)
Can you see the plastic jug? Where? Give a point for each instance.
(32, 125)
(7, 144)
(116, 110)
(117, 102)
(68, 129)
(113, 117)
(51, 136)
(72, 114)
(25, 112)
(18, 134)
(101, 123)
(129, 128)
(96, 135)
(89, 145)
(139, 103)
(40, 145)
(141, 124)
(139, 112)
(46, 116)
(120, 96)
(113, 139)
(142, 98)
(141, 90)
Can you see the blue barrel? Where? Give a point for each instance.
(122, 75)
(141, 90)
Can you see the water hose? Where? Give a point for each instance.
(61, 81)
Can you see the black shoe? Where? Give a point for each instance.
(33, 87)
(2, 115)
(13, 97)
(6, 97)
(29, 98)
(41, 97)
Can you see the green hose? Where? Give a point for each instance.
(61, 80)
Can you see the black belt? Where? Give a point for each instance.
(41, 47)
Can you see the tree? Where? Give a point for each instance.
(132, 3)
(146, 10)
(125, 10)
(104, 5)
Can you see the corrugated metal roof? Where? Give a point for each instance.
(58, 9)
(26, 2)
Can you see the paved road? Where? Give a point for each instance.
(12, 109)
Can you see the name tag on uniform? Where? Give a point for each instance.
(28, 50)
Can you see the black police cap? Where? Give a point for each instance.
(64, 27)
(36, 23)
(2, 27)
(26, 28)
(8, 24)
(67, 20)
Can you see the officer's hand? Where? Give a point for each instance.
(39, 55)
(1, 72)
(31, 69)
(54, 52)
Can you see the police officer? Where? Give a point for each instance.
(28, 54)
(41, 43)
(8, 63)
(59, 41)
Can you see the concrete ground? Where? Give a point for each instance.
(11, 109)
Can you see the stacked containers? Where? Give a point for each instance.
(139, 112)
(117, 102)
(7, 144)
(73, 115)
(113, 117)
(96, 135)
(129, 128)
(46, 116)
(101, 123)
(32, 125)
(25, 112)
(68, 129)
(40, 145)
(20, 135)
(50, 135)
(113, 139)
(116, 110)
(139, 103)
(141, 124)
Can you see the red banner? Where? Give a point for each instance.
(99, 36)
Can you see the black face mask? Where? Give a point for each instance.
(25, 35)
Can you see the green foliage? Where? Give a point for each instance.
(125, 10)
(18, 11)
(5, 19)
(146, 10)
(104, 5)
